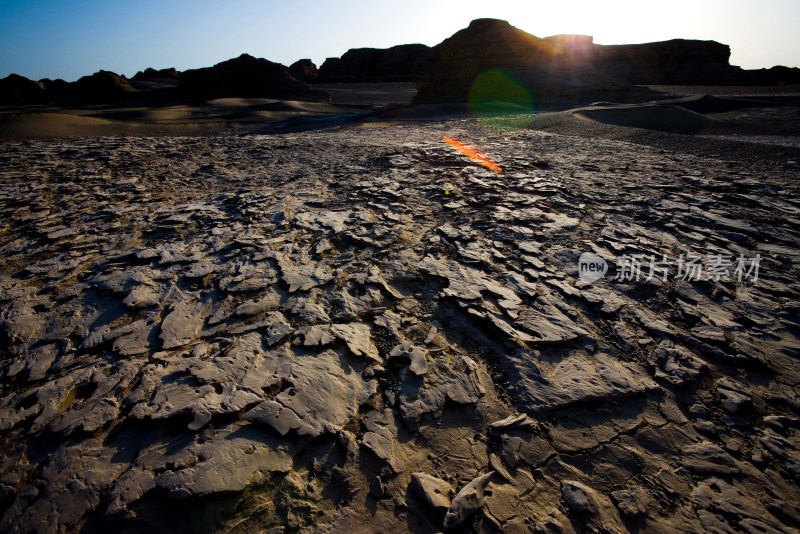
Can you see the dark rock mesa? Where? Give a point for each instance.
(560, 65)
(248, 77)
(398, 63)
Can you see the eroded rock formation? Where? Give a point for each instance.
(150, 79)
(304, 70)
(679, 61)
(246, 77)
(571, 65)
(102, 86)
(16, 89)
(398, 63)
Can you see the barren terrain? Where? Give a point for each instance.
(359, 329)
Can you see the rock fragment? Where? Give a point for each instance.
(182, 324)
(358, 339)
(467, 501)
(433, 491)
(419, 365)
(579, 497)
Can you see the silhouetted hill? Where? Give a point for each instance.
(398, 63)
(488, 60)
(246, 77)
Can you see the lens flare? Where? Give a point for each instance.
(473, 154)
(499, 101)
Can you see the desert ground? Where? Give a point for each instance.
(274, 316)
(349, 102)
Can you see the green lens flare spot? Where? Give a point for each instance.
(500, 102)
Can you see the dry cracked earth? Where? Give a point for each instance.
(361, 330)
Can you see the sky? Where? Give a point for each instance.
(72, 38)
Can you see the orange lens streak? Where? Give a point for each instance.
(473, 154)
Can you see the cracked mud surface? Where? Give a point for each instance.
(360, 330)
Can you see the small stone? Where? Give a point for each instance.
(579, 497)
(513, 421)
(142, 296)
(433, 491)
(700, 411)
(468, 501)
(707, 457)
(632, 502)
(419, 365)
(497, 465)
(376, 488)
(201, 419)
(732, 401)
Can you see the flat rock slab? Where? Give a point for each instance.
(182, 324)
(231, 464)
(540, 385)
(322, 395)
(358, 339)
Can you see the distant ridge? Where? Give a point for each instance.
(565, 65)
(248, 77)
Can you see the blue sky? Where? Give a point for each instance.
(70, 38)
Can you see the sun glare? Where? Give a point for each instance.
(473, 154)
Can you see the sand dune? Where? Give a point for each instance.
(689, 114)
(371, 93)
(665, 118)
(54, 125)
(214, 117)
(698, 123)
